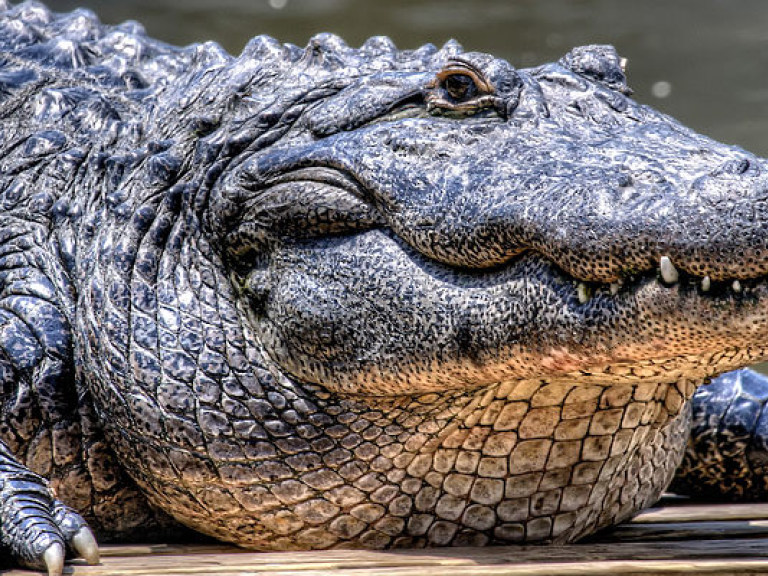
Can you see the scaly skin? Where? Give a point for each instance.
(306, 298)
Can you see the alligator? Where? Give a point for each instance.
(314, 297)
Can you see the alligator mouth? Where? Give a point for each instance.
(669, 276)
(529, 318)
(692, 326)
(666, 273)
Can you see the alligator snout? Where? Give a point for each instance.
(600, 210)
(738, 167)
(597, 224)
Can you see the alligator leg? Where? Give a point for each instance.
(727, 453)
(35, 526)
(40, 423)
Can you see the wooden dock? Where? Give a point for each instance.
(673, 538)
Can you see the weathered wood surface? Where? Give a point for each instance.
(672, 539)
(702, 513)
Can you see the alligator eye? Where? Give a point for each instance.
(460, 86)
(460, 89)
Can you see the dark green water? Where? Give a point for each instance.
(712, 53)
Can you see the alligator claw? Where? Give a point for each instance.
(84, 543)
(37, 529)
(54, 559)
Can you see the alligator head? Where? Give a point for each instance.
(467, 223)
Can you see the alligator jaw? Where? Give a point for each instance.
(552, 316)
(525, 320)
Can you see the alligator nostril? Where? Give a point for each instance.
(742, 166)
(733, 167)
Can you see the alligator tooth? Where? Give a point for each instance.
(736, 286)
(706, 284)
(623, 64)
(615, 287)
(582, 290)
(668, 271)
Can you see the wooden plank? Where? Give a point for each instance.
(703, 513)
(111, 550)
(629, 567)
(736, 548)
(685, 531)
(715, 557)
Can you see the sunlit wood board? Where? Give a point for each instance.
(671, 539)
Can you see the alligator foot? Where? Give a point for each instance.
(37, 528)
(727, 454)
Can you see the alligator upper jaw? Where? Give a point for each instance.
(601, 212)
(706, 235)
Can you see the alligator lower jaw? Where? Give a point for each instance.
(726, 330)
(697, 328)
(694, 368)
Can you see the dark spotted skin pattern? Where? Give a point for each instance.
(320, 297)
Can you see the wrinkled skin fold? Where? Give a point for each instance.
(320, 297)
